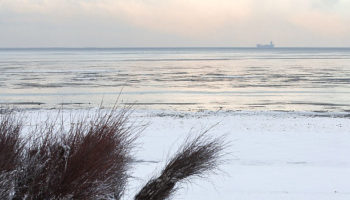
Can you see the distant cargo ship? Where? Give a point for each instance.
(265, 46)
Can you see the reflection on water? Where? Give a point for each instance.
(178, 78)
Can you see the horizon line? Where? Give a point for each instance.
(176, 47)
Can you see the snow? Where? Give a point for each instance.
(273, 155)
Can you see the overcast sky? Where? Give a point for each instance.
(162, 23)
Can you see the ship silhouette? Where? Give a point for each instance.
(265, 46)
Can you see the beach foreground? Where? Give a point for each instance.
(272, 155)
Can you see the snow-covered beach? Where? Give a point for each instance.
(272, 155)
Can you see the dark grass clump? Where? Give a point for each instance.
(11, 148)
(196, 158)
(11, 145)
(98, 158)
(90, 160)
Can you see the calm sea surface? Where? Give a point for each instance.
(289, 79)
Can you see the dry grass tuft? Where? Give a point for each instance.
(11, 149)
(88, 161)
(196, 158)
(11, 145)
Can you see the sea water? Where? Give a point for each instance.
(283, 79)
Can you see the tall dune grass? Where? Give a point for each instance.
(11, 149)
(195, 158)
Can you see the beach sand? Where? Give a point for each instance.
(272, 155)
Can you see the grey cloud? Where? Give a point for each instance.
(325, 4)
(174, 23)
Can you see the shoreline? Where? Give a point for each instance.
(192, 113)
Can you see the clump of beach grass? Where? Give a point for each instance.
(197, 157)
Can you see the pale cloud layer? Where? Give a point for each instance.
(174, 22)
